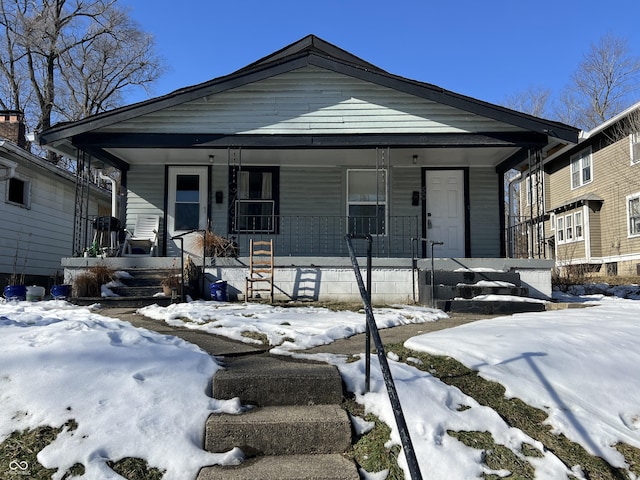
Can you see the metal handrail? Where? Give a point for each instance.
(372, 330)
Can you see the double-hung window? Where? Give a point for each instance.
(367, 201)
(570, 227)
(635, 147)
(581, 169)
(633, 214)
(255, 206)
(560, 229)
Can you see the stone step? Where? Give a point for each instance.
(286, 430)
(263, 380)
(290, 467)
(490, 307)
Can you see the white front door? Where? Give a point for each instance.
(187, 202)
(445, 212)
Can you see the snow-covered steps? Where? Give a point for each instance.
(489, 307)
(296, 428)
(484, 292)
(291, 467)
(267, 381)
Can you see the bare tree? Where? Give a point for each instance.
(66, 59)
(604, 82)
(533, 100)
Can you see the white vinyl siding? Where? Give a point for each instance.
(484, 213)
(40, 236)
(299, 102)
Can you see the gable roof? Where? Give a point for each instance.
(309, 51)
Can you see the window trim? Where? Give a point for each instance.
(234, 202)
(579, 159)
(26, 191)
(385, 203)
(634, 144)
(635, 196)
(567, 227)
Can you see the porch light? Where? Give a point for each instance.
(415, 159)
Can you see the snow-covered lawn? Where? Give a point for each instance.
(136, 393)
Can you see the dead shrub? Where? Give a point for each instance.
(89, 283)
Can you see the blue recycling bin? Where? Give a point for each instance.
(219, 291)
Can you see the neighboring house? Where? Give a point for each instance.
(310, 143)
(594, 198)
(36, 208)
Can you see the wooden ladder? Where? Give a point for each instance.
(260, 268)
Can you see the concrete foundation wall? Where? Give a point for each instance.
(332, 278)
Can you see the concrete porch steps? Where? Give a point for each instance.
(267, 381)
(291, 467)
(457, 291)
(140, 290)
(297, 429)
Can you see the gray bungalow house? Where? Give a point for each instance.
(308, 144)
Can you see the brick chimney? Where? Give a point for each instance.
(12, 127)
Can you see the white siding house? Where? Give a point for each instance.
(36, 209)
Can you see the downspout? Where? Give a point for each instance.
(114, 193)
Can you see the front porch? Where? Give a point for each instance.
(331, 279)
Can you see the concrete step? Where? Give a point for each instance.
(121, 302)
(446, 277)
(263, 380)
(137, 291)
(286, 430)
(469, 291)
(488, 307)
(291, 467)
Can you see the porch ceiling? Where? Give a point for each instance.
(431, 157)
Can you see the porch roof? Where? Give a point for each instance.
(183, 119)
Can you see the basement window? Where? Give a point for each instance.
(18, 192)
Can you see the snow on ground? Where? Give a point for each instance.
(137, 393)
(293, 327)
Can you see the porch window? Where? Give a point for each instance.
(581, 169)
(633, 213)
(367, 201)
(255, 205)
(187, 202)
(635, 147)
(18, 192)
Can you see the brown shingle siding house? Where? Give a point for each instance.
(594, 191)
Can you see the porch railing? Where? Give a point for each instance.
(324, 235)
(372, 332)
(526, 237)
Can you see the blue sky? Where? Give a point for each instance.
(484, 49)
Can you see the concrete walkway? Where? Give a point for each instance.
(222, 346)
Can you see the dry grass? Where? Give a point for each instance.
(519, 415)
(369, 451)
(18, 458)
(88, 283)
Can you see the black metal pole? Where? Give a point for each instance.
(403, 430)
